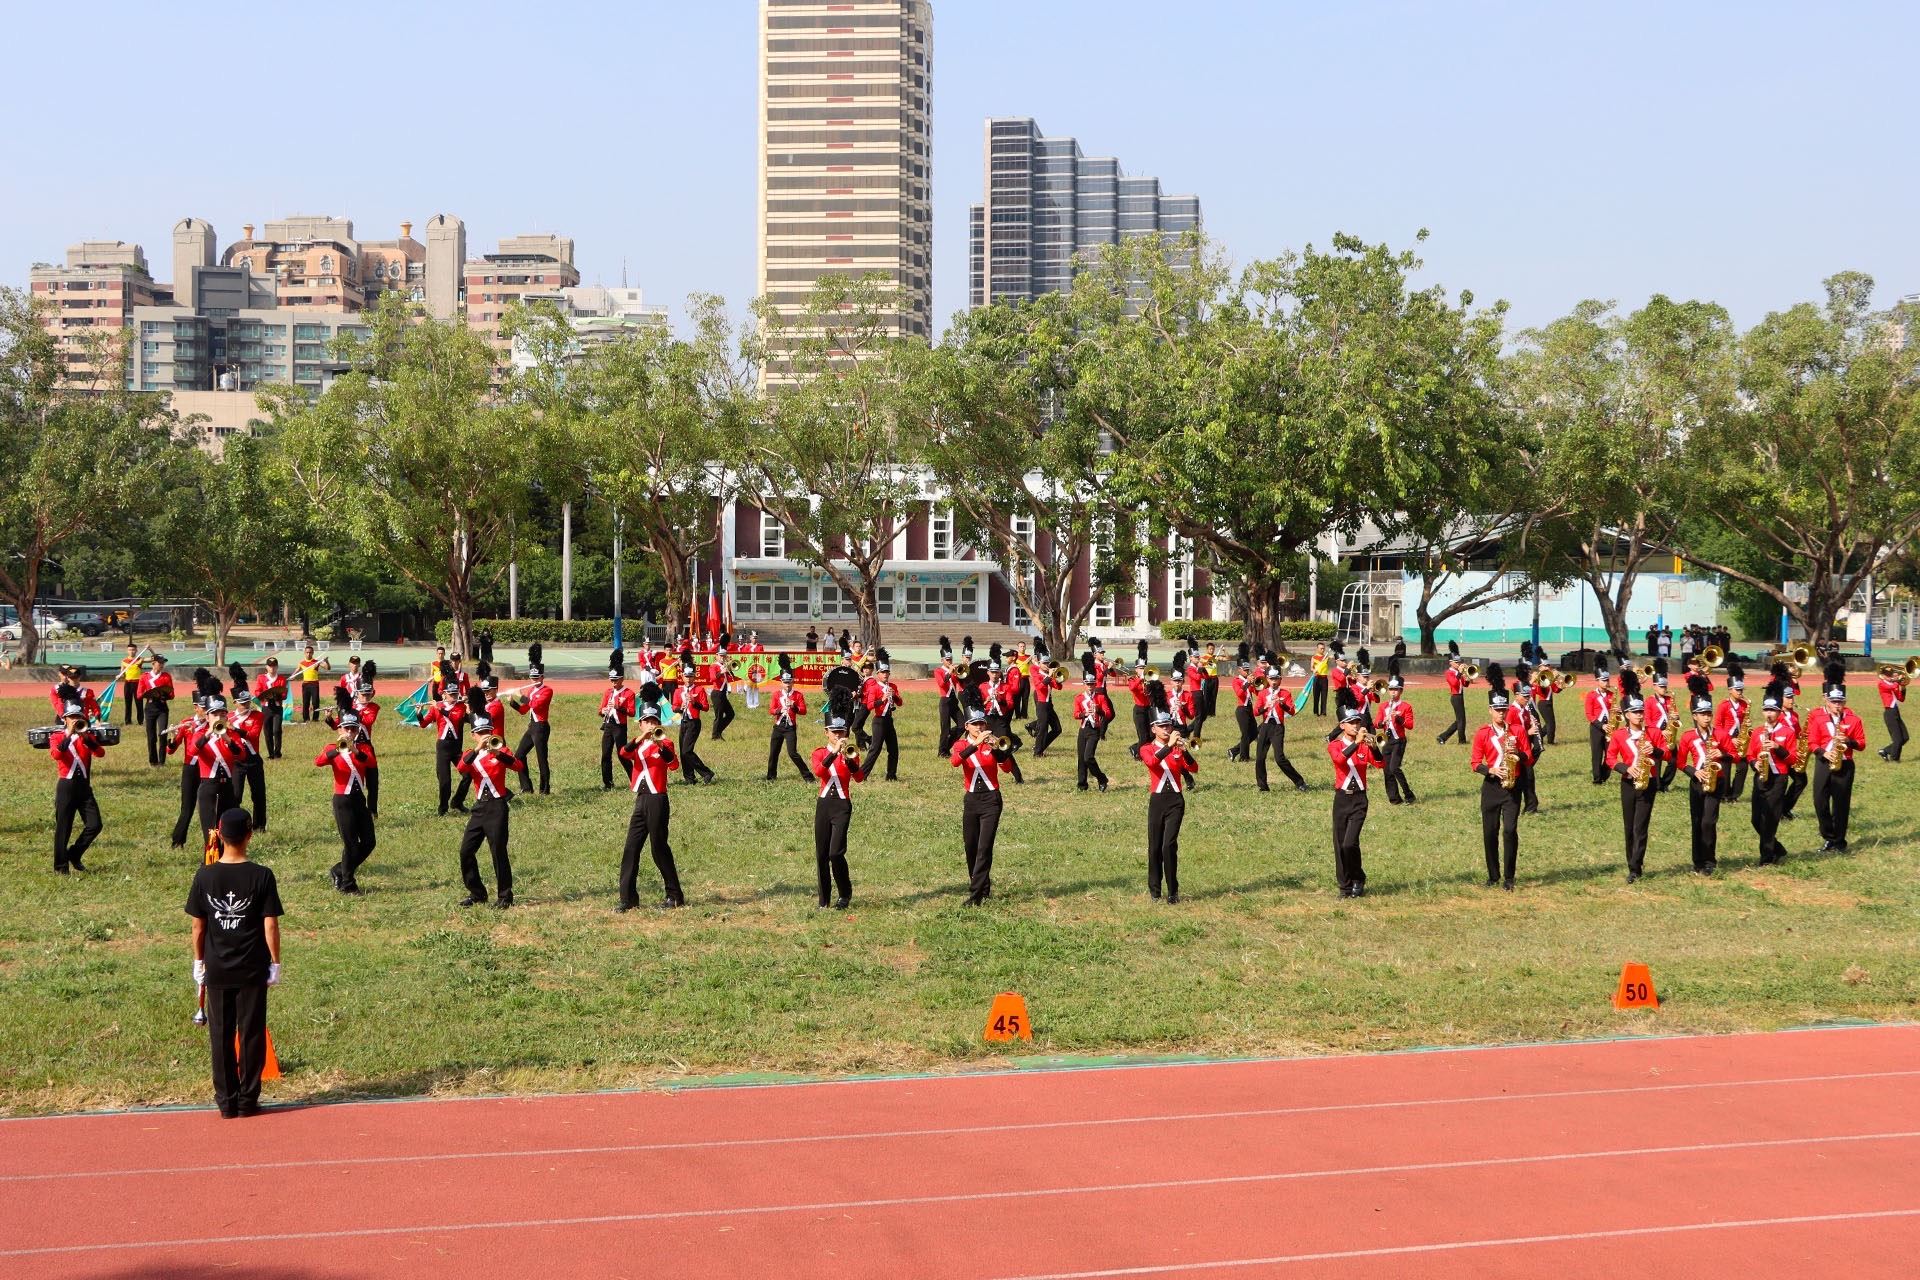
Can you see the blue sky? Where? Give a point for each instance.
(1738, 152)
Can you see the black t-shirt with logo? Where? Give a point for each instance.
(235, 899)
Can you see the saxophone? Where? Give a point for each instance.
(1708, 774)
(1509, 771)
(1836, 751)
(1641, 772)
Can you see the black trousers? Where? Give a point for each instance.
(885, 738)
(997, 727)
(1549, 722)
(979, 823)
(533, 745)
(373, 791)
(1597, 749)
(788, 736)
(73, 797)
(254, 772)
(1142, 725)
(1198, 727)
(1320, 696)
(831, 815)
(215, 796)
(488, 822)
(155, 718)
(1769, 794)
(1243, 718)
(1499, 829)
(130, 697)
(1458, 729)
(1349, 816)
(1087, 753)
(1166, 810)
(189, 800)
(612, 738)
(1046, 728)
(1529, 788)
(1273, 737)
(1636, 811)
(1398, 788)
(309, 700)
(652, 813)
(1021, 699)
(723, 713)
(691, 765)
(237, 1013)
(354, 821)
(446, 753)
(1896, 732)
(1796, 784)
(950, 720)
(1832, 798)
(275, 728)
(1740, 771)
(1703, 813)
(858, 726)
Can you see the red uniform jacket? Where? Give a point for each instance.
(1350, 766)
(1138, 688)
(883, 697)
(249, 725)
(1780, 740)
(1242, 690)
(690, 700)
(1490, 749)
(1184, 705)
(1275, 705)
(616, 706)
(1728, 715)
(1623, 750)
(448, 721)
(1692, 751)
(220, 756)
(349, 767)
(945, 681)
(831, 772)
(1892, 693)
(979, 769)
(1520, 725)
(88, 703)
(786, 706)
(270, 686)
(188, 737)
(536, 702)
(73, 753)
(1397, 718)
(1088, 710)
(1044, 683)
(489, 770)
(155, 686)
(1598, 704)
(1825, 725)
(1168, 768)
(648, 763)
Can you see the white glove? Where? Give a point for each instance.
(199, 973)
(273, 975)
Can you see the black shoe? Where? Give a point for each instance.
(1411, 798)
(1173, 896)
(443, 813)
(841, 904)
(461, 808)
(228, 1113)
(249, 1109)
(1103, 785)
(503, 902)
(351, 889)
(1080, 787)
(1507, 885)
(74, 864)
(671, 904)
(1492, 881)
(1826, 846)
(333, 874)
(621, 908)
(1360, 891)
(1264, 789)
(473, 901)
(1301, 786)
(60, 868)
(973, 900)
(1786, 817)
(1393, 800)
(1632, 876)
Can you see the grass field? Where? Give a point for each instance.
(400, 992)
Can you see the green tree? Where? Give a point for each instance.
(1610, 401)
(226, 536)
(75, 461)
(1819, 464)
(1025, 467)
(832, 457)
(410, 453)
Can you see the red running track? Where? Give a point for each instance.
(1787, 1155)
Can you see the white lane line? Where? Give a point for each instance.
(1446, 1246)
(955, 1131)
(965, 1197)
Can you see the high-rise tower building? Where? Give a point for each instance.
(846, 153)
(1047, 204)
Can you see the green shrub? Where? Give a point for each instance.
(1309, 630)
(1202, 629)
(521, 631)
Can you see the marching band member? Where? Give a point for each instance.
(616, 708)
(1457, 683)
(980, 760)
(1170, 769)
(348, 682)
(1209, 684)
(270, 695)
(307, 671)
(437, 672)
(487, 766)
(1273, 705)
(1018, 683)
(1321, 669)
(1525, 727)
(1598, 705)
(69, 689)
(1143, 699)
(487, 686)
(882, 700)
(535, 702)
(366, 712)
(1498, 759)
(1661, 721)
(185, 738)
(350, 759)
(720, 689)
(447, 719)
(996, 700)
(1773, 749)
(1706, 755)
(649, 759)
(155, 692)
(785, 708)
(1183, 704)
(73, 748)
(1893, 692)
(131, 671)
(1834, 733)
(1245, 705)
(1091, 721)
(1635, 755)
(1396, 721)
(1543, 695)
(220, 755)
(1730, 720)
(1352, 755)
(247, 721)
(690, 702)
(946, 686)
(1046, 680)
(836, 769)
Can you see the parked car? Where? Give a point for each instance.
(45, 623)
(148, 620)
(87, 624)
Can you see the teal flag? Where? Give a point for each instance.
(106, 701)
(409, 709)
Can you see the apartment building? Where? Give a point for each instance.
(846, 154)
(92, 296)
(523, 267)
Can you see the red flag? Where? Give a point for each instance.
(693, 608)
(713, 606)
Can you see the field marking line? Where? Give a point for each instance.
(965, 1197)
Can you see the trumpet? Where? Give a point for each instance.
(1003, 742)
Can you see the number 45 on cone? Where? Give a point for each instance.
(1007, 1020)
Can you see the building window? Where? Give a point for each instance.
(940, 535)
(937, 603)
(773, 538)
(1180, 587)
(835, 603)
(1102, 615)
(774, 600)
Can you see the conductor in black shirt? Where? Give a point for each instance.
(235, 906)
